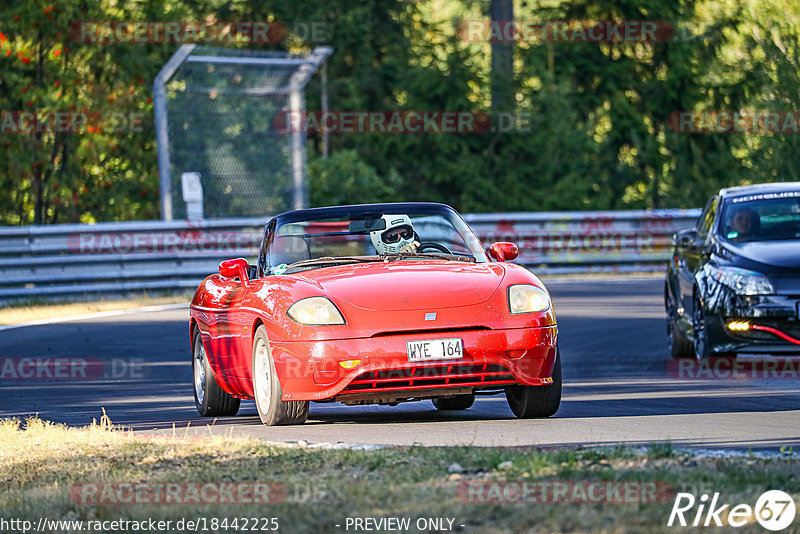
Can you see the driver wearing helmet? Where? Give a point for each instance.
(397, 238)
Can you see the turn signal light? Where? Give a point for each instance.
(739, 326)
(350, 364)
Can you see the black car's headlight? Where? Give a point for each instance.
(315, 311)
(741, 281)
(525, 298)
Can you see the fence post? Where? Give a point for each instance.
(162, 133)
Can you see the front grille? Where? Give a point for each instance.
(448, 375)
(431, 331)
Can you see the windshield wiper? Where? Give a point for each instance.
(328, 260)
(468, 259)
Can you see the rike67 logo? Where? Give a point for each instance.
(774, 510)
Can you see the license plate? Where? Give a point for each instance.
(434, 349)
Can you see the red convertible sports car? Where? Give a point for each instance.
(373, 304)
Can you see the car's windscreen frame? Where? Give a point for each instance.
(731, 204)
(361, 212)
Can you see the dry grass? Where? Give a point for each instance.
(37, 312)
(40, 461)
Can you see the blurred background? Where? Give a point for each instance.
(597, 138)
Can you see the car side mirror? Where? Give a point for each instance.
(686, 238)
(503, 251)
(235, 268)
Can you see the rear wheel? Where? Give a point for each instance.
(679, 345)
(209, 398)
(537, 401)
(267, 390)
(459, 402)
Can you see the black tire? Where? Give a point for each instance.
(679, 345)
(210, 399)
(459, 402)
(267, 389)
(699, 337)
(537, 401)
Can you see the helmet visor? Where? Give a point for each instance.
(394, 235)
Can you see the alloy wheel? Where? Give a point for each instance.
(199, 370)
(263, 385)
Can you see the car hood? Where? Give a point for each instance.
(772, 254)
(408, 284)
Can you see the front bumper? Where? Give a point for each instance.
(310, 370)
(771, 320)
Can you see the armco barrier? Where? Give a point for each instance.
(587, 241)
(72, 261)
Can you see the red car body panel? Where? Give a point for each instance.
(384, 306)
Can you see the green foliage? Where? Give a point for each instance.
(596, 134)
(346, 179)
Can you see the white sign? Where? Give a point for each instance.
(192, 188)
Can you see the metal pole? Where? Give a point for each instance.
(298, 146)
(324, 75)
(297, 104)
(162, 133)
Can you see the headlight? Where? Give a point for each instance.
(525, 298)
(315, 311)
(741, 281)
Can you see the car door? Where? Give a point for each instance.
(224, 324)
(693, 254)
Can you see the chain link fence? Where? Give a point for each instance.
(215, 113)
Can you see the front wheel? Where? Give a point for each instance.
(209, 398)
(700, 339)
(459, 402)
(267, 390)
(537, 401)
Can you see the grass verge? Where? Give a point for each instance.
(46, 467)
(24, 313)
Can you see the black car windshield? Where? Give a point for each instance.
(312, 239)
(762, 217)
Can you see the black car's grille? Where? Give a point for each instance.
(788, 327)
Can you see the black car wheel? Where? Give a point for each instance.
(700, 340)
(537, 401)
(209, 398)
(272, 410)
(679, 344)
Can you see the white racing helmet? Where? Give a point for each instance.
(396, 237)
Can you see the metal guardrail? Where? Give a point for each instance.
(72, 261)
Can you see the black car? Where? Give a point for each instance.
(733, 282)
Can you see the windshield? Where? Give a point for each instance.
(762, 217)
(368, 234)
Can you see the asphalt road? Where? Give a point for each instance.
(617, 387)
